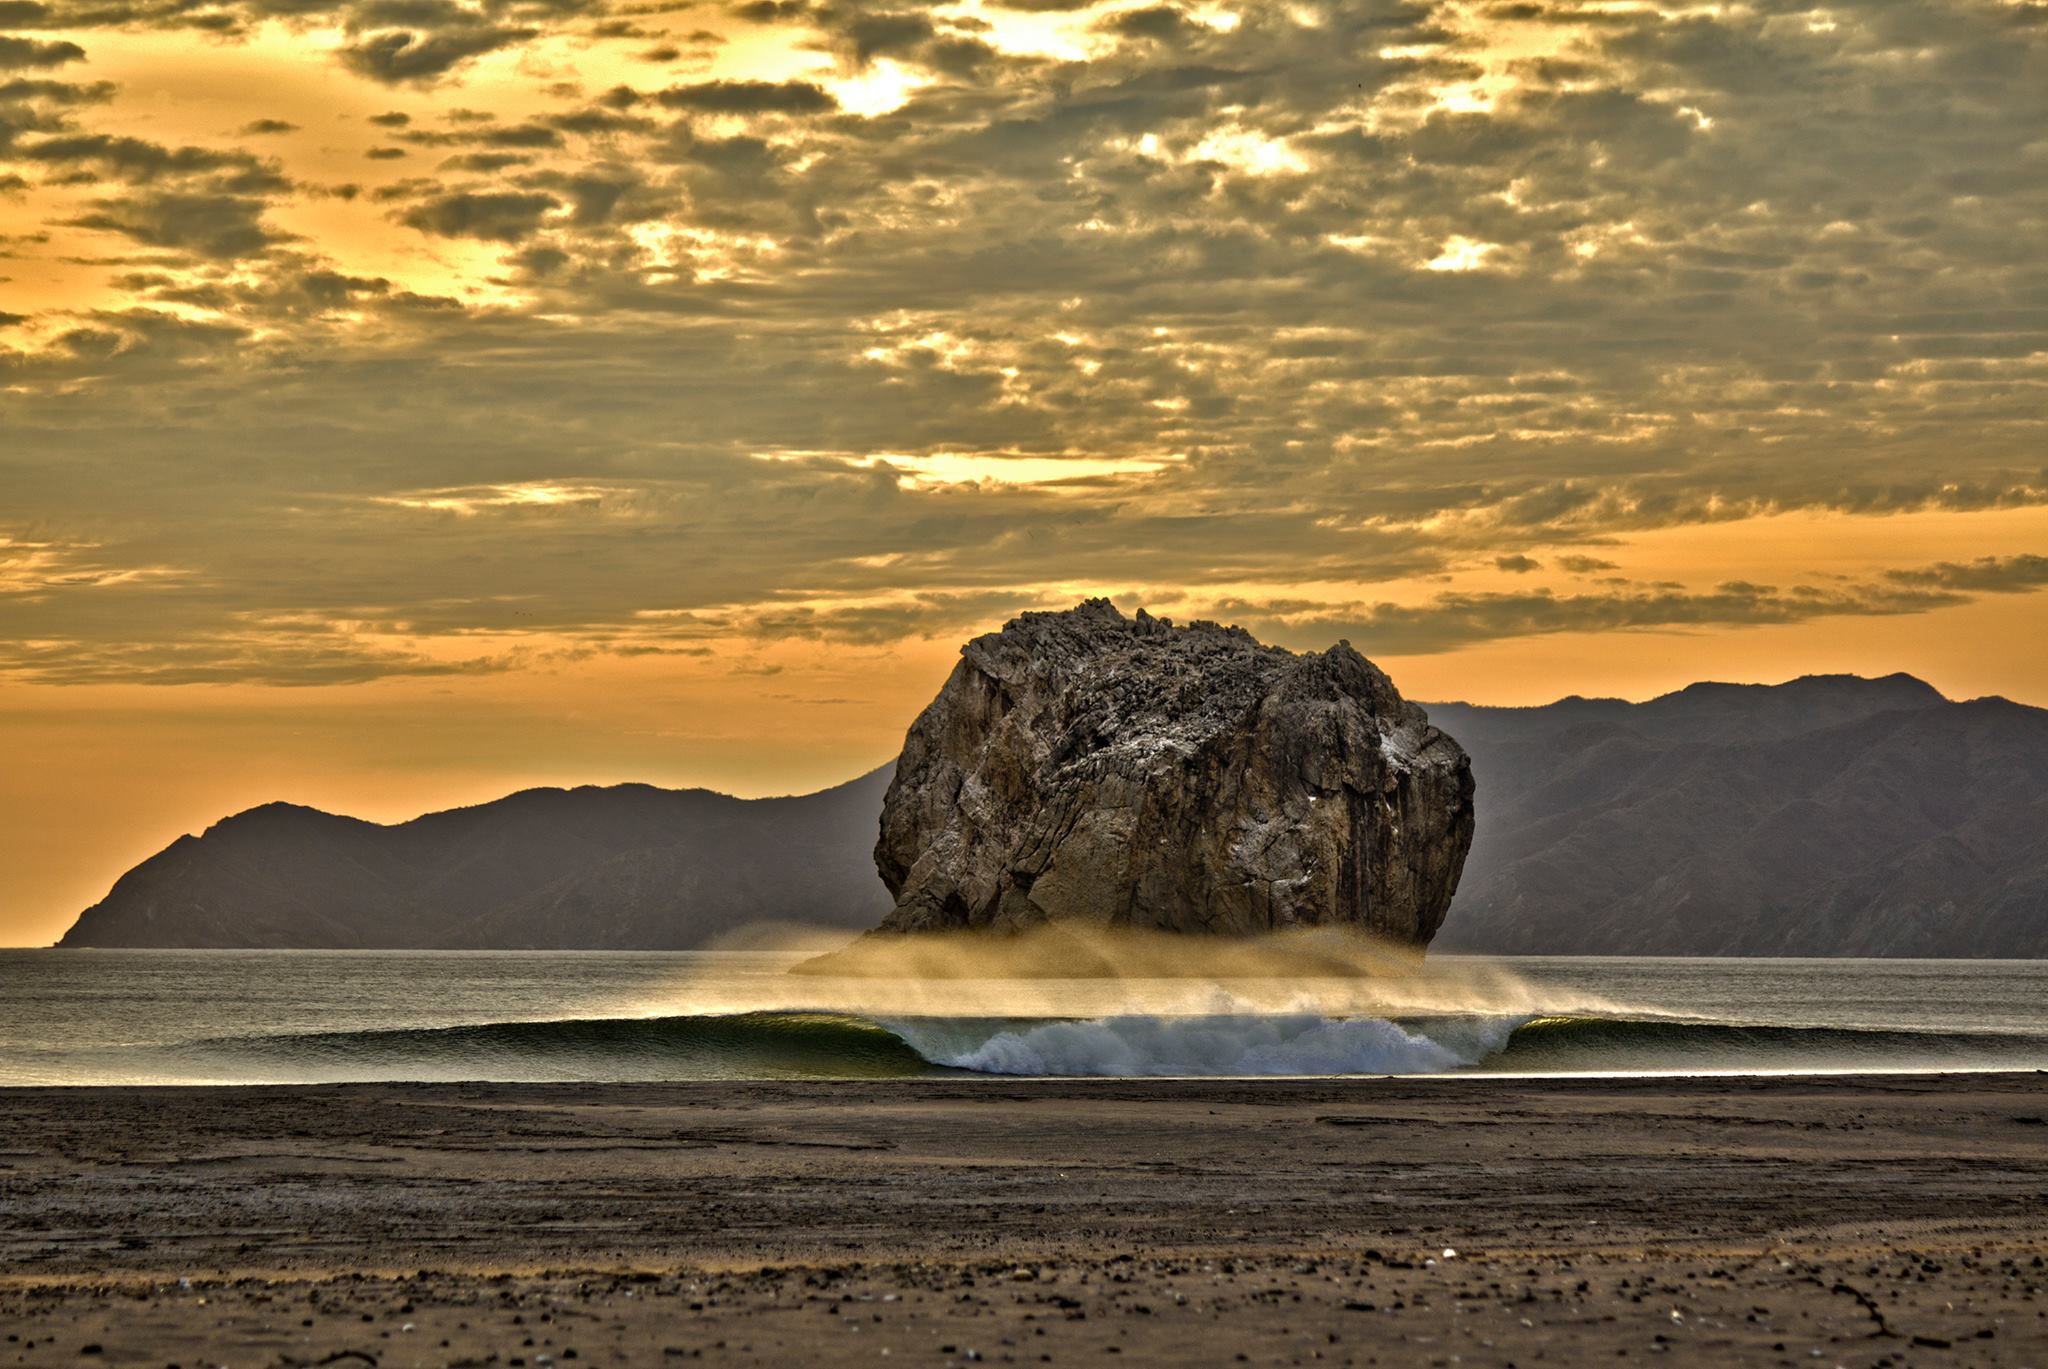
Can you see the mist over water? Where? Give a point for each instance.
(307, 1017)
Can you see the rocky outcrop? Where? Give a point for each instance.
(1088, 767)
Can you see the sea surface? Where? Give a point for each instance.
(245, 1017)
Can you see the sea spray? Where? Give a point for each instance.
(1096, 972)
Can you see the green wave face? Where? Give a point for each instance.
(1546, 1045)
(762, 1045)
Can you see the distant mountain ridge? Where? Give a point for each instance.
(626, 867)
(1831, 815)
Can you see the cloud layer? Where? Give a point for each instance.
(584, 326)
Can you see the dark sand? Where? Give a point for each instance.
(1755, 1221)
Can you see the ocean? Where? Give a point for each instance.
(275, 1017)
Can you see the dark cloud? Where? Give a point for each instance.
(773, 11)
(1456, 620)
(494, 216)
(961, 59)
(41, 90)
(261, 127)
(400, 57)
(1155, 21)
(1986, 575)
(750, 97)
(487, 162)
(27, 53)
(1517, 565)
(522, 135)
(869, 33)
(597, 198)
(139, 161)
(206, 202)
(218, 227)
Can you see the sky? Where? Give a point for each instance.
(405, 401)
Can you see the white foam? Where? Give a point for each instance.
(1223, 1044)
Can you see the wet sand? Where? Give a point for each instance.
(1855, 1221)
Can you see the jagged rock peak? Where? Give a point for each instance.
(1126, 772)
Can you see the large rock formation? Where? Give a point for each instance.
(1084, 766)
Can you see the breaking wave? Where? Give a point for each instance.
(1232, 1045)
(789, 1045)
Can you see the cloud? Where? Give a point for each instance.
(929, 615)
(140, 161)
(773, 11)
(1155, 21)
(207, 202)
(871, 33)
(255, 658)
(217, 227)
(1455, 620)
(27, 53)
(750, 97)
(1985, 575)
(401, 57)
(492, 216)
(1151, 310)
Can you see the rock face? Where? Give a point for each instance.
(1084, 766)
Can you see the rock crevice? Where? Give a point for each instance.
(1084, 766)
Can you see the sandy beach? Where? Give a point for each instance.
(1856, 1221)
(1766, 1220)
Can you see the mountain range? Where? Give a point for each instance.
(1832, 815)
(1827, 816)
(625, 867)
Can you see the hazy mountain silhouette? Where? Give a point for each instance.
(1829, 816)
(630, 866)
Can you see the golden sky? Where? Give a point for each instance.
(402, 401)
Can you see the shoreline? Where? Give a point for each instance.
(757, 1223)
(950, 1074)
